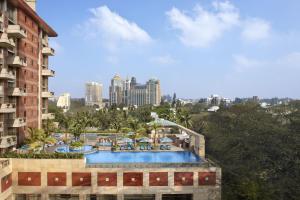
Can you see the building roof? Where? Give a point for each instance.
(162, 123)
(21, 4)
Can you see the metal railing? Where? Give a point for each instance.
(150, 165)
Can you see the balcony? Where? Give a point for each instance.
(8, 141)
(48, 51)
(47, 94)
(16, 123)
(16, 31)
(16, 61)
(48, 72)
(7, 107)
(45, 42)
(49, 116)
(5, 42)
(1, 126)
(7, 74)
(17, 92)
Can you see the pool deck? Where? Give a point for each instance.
(105, 148)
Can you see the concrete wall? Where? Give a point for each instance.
(72, 177)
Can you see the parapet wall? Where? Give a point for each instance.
(71, 176)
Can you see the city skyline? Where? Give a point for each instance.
(262, 59)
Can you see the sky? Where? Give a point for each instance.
(196, 48)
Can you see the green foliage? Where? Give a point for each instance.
(76, 144)
(43, 155)
(258, 155)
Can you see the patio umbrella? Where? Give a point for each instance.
(131, 133)
(145, 140)
(165, 140)
(125, 140)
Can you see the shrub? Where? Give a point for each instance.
(42, 155)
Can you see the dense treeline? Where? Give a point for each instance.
(258, 150)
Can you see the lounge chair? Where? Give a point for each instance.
(162, 147)
(168, 147)
(142, 147)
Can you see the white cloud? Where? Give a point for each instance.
(205, 27)
(164, 60)
(256, 29)
(286, 62)
(242, 63)
(113, 28)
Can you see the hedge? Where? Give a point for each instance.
(43, 155)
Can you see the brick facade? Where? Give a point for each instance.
(133, 179)
(107, 179)
(81, 179)
(56, 179)
(29, 178)
(158, 179)
(6, 182)
(184, 178)
(207, 178)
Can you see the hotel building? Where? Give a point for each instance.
(130, 93)
(24, 71)
(93, 94)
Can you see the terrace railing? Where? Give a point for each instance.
(150, 165)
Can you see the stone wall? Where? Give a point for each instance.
(68, 176)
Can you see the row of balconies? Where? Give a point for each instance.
(14, 91)
(13, 123)
(47, 94)
(48, 72)
(7, 107)
(6, 73)
(8, 141)
(6, 42)
(16, 61)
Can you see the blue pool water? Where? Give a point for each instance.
(142, 157)
(66, 149)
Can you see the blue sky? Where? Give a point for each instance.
(196, 48)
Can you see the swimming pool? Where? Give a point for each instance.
(142, 157)
(67, 149)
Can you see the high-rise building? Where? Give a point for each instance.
(64, 101)
(93, 94)
(138, 95)
(24, 71)
(129, 92)
(147, 94)
(153, 92)
(126, 92)
(116, 90)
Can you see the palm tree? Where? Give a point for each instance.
(185, 119)
(76, 129)
(38, 135)
(154, 127)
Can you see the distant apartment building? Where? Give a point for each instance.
(64, 102)
(24, 71)
(93, 94)
(116, 90)
(129, 92)
(216, 100)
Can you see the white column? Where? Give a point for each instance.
(44, 196)
(158, 196)
(82, 197)
(120, 197)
